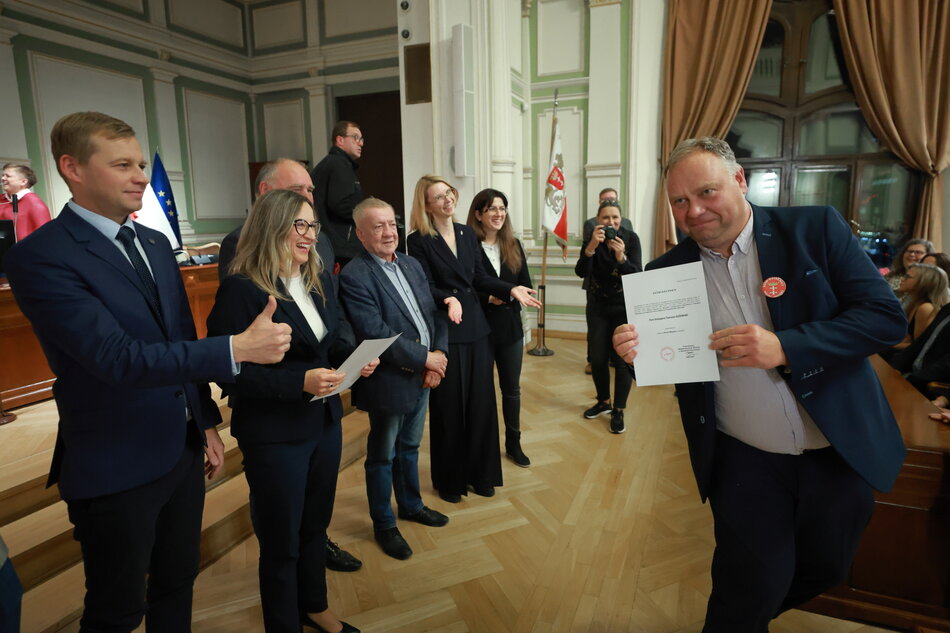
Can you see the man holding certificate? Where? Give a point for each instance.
(790, 441)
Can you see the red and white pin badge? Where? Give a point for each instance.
(774, 287)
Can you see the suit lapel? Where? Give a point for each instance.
(772, 260)
(108, 251)
(384, 282)
(296, 318)
(442, 250)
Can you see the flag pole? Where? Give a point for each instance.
(540, 349)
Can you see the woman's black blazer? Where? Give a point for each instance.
(460, 277)
(268, 401)
(505, 320)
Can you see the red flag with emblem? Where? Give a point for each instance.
(554, 215)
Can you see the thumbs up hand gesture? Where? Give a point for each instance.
(263, 342)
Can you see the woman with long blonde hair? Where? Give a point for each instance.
(286, 416)
(925, 287)
(463, 420)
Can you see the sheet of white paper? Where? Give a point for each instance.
(361, 356)
(670, 309)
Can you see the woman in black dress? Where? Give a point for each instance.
(503, 257)
(612, 251)
(463, 421)
(291, 444)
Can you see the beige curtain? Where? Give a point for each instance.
(898, 58)
(711, 47)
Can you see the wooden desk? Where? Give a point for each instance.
(25, 376)
(901, 574)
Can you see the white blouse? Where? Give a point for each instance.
(304, 301)
(494, 256)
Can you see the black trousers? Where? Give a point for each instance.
(152, 530)
(463, 421)
(508, 361)
(602, 320)
(787, 528)
(293, 487)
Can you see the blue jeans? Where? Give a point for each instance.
(392, 462)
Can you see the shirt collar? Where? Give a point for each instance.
(383, 262)
(743, 241)
(102, 224)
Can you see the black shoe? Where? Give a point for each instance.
(446, 496)
(393, 543)
(425, 516)
(306, 620)
(517, 455)
(616, 421)
(484, 490)
(340, 560)
(601, 408)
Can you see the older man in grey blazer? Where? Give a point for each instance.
(385, 293)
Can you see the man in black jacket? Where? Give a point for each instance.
(337, 190)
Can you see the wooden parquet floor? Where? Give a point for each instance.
(603, 533)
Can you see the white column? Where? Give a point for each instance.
(318, 121)
(502, 175)
(417, 119)
(168, 145)
(13, 140)
(647, 29)
(603, 168)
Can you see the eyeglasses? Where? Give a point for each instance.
(915, 252)
(449, 193)
(301, 226)
(501, 210)
(609, 202)
(356, 137)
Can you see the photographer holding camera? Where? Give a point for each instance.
(612, 251)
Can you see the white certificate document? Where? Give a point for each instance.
(367, 351)
(670, 309)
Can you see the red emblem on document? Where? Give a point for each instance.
(773, 287)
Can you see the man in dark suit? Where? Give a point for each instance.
(286, 173)
(789, 443)
(386, 294)
(281, 173)
(927, 359)
(106, 300)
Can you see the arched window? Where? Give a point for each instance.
(802, 139)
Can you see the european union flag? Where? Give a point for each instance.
(163, 190)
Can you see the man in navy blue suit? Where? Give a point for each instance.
(789, 443)
(385, 293)
(106, 300)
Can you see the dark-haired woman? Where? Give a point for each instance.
(463, 420)
(291, 442)
(503, 257)
(602, 261)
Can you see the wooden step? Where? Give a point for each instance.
(47, 559)
(41, 544)
(54, 604)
